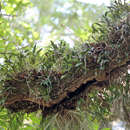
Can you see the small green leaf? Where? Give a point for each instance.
(106, 129)
(78, 64)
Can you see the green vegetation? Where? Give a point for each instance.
(61, 87)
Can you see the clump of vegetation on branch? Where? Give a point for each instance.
(61, 78)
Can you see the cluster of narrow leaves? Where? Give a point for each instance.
(115, 14)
